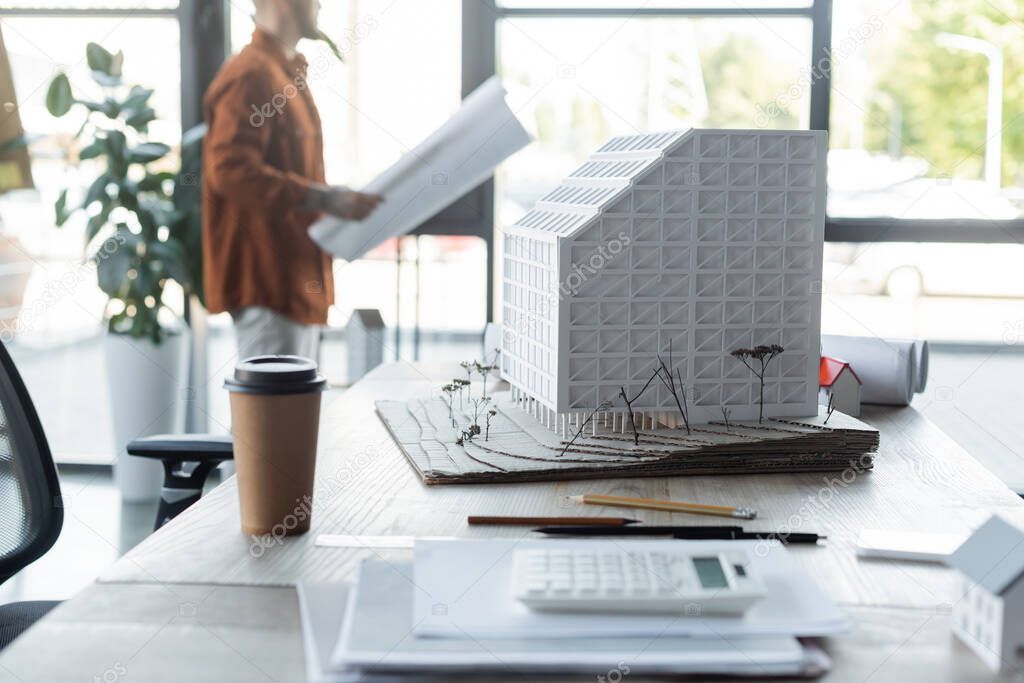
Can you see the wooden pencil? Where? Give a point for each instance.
(666, 506)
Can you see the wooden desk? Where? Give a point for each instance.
(197, 601)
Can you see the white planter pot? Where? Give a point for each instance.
(147, 395)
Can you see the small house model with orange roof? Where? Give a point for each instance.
(838, 380)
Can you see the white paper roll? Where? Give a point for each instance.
(891, 371)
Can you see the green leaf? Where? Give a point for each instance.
(97, 190)
(175, 261)
(137, 98)
(97, 222)
(147, 152)
(331, 45)
(108, 107)
(61, 208)
(115, 258)
(93, 149)
(106, 67)
(59, 97)
(127, 194)
(155, 182)
(140, 120)
(193, 136)
(98, 57)
(117, 157)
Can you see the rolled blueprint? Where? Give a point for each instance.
(891, 371)
(450, 162)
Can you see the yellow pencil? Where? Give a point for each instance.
(666, 505)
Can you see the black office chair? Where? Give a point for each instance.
(31, 512)
(188, 460)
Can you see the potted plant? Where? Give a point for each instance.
(142, 233)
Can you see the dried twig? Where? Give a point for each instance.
(831, 408)
(664, 373)
(605, 405)
(630, 401)
(725, 417)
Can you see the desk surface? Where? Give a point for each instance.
(198, 601)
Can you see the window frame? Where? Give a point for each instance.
(819, 12)
(203, 31)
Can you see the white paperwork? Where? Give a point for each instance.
(452, 160)
(464, 589)
(376, 639)
(321, 610)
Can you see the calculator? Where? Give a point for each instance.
(616, 579)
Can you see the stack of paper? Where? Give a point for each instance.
(451, 612)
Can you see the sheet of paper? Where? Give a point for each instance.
(451, 161)
(465, 588)
(372, 542)
(375, 636)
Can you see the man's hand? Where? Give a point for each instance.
(343, 203)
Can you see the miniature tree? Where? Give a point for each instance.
(468, 367)
(478, 403)
(665, 374)
(487, 424)
(467, 435)
(604, 405)
(831, 408)
(474, 427)
(630, 401)
(484, 371)
(460, 385)
(757, 360)
(448, 391)
(725, 417)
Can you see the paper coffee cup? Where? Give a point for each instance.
(275, 416)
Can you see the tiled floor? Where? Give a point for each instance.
(973, 394)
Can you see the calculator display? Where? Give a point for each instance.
(710, 573)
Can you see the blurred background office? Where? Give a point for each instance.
(926, 179)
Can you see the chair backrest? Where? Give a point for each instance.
(31, 512)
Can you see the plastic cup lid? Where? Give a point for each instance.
(276, 375)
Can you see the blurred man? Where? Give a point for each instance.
(263, 185)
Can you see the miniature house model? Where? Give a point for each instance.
(840, 384)
(989, 614)
(704, 241)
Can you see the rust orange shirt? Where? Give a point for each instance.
(263, 151)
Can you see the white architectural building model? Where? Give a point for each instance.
(703, 240)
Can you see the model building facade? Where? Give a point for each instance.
(705, 241)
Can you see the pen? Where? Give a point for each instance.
(711, 533)
(613, 522)
(642, 530)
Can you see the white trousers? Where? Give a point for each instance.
(260, 332)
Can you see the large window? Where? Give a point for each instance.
(48, 293)
(924, 171)
(925, 138)
(577, 81)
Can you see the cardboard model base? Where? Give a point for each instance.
(517, 447)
